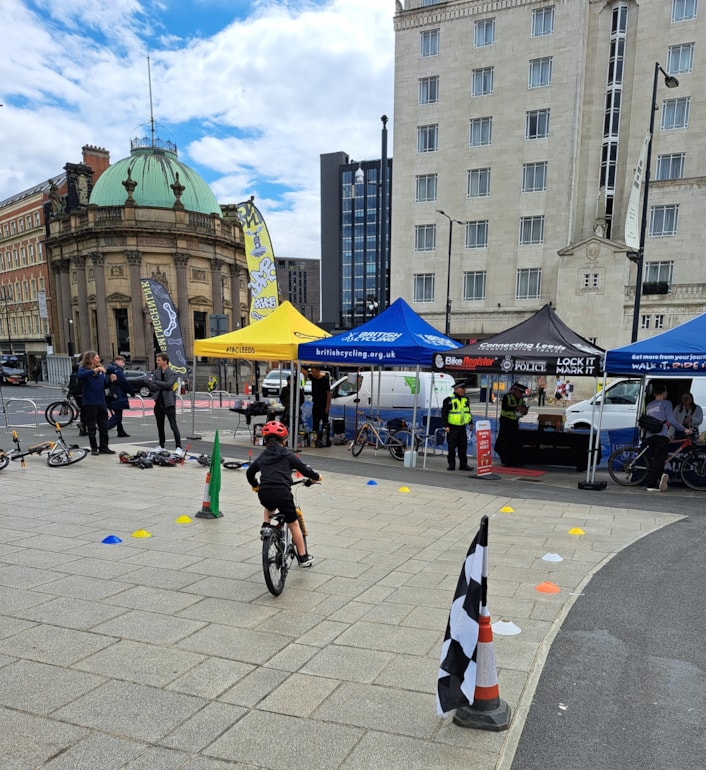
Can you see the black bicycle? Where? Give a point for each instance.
(629, 466)
(63, 412)
(278, 550)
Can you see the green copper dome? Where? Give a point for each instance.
(153, 168)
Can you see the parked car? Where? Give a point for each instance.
(139, 381)
(11, 372)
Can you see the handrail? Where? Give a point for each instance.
(27, 400)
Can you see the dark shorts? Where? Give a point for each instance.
(279, 500)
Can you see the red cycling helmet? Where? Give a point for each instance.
(274, 428)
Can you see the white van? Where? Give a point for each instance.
(392, 390)
(621, 402)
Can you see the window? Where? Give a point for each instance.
(531, 230)
(484, 33)
(429, 90)
(474, 285)
(482, 83)
(682, 10)
(590, 280)
(477, 234)
(680, 59)
(31, 252)
(429, 43)
(21, 224)
(663, 221)
(429, 2)
(659, 322)
(478, 183)
(529, 282)
(645, 321)
(534, 177)
(23, 255)
(542, 22)
(675, 113)
(536, 124)
(426, 187)
(670, 166)
(427, 138)
(424, 237)
(29, 221)
(36, 219)
(481, 131)
(540, 72)
(423, 287)
(659, 272)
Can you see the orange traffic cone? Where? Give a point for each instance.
(206, 512)
(488, 711)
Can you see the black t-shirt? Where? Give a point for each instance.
(319, 388)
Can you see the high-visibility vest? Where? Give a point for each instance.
(460, 413)
(513, 402)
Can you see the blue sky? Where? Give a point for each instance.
(251, 91)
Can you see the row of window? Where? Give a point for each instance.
(542, 24)
(18, 225)
(32, 324)
(21, 257)
(663, 223)
(527, 284)
(24, 291)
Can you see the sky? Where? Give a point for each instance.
(251, 91)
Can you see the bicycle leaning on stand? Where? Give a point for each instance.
(387, 435)
(278, 550)
(59, 453)
(63, 412)
(629, 465)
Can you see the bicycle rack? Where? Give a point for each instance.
(27, 401)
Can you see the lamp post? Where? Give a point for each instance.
(639, 258)
(70, 323)
(382, 271)
(5, 297)
(447, 326)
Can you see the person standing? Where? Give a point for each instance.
(568, 391)
(688, 413)
(456, 413)
(513, 407)
(320, 406)
(285, 396)
(658, 443)
(164, 383)
(93, 377)
(541, 390)
(120, 389)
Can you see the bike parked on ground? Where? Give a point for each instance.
(59, 453)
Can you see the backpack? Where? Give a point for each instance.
(75, 387)
(649, 423)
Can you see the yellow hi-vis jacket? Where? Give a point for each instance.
(460, 412)
(514, 404)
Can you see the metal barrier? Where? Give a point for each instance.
(25, 400)
(220, 394)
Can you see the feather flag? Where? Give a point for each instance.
(457, 671)
(214, 485)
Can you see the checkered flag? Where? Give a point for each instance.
(457, 670)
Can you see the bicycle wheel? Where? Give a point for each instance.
(233, 465)
(693, 469)
(273, 563)
(400, 442)
(4, 460)
(364, 436)
(62, 412)
(66, 456)
(628, 466)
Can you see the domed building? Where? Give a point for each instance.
(146, 216)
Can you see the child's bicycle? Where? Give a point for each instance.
(59, 453)
(628, 465)
(278, 550)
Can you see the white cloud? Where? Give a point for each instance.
(251, 105)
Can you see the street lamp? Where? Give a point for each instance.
(639, 257)
(447, 327)
(70, 323)
(5, 297)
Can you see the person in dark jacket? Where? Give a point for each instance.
(274, 489)
(284, 396)
(120, 389)
(165, 383)
(512, 409)
(93, 377)
(658, 443)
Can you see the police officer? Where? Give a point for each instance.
(456, 413)
(513, 407)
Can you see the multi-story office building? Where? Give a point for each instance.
(299, 282)
(524, 123)
(355, 229)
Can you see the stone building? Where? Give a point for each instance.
(147, 216)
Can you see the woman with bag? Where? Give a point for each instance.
(93, 377)
(688, 413)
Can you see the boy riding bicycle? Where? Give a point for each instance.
(274, 489)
